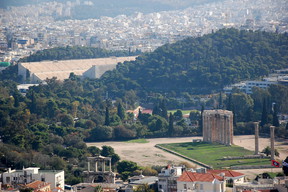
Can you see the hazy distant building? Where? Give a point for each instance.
(218, 126)
(36, 72)
(247, 86)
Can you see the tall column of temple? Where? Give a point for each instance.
(212, 118)
(256, 126)
(103, 164)
(203, 127)
(272, 139)
(224, 141)
(231, 128)
(218, 124)
(88, 166)
(229, 131)
(208, 123)
(222, 128)
(96, 166)
(110, 166)
(208, 132)
(214, 128)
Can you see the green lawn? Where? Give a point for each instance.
(183, 111)
(137, 141)
(211, 154)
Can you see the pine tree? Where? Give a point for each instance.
(16, 100)
(220, 101)
(139, 114)
(171, 125)
(275, 117)
(156, 110)
(33, 103)
(249, 114)
(107, 117)
(264, 117)
(234, 116)
(120, 111)
(163, 109)
(229, 103)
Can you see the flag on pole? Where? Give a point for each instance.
(275, 163)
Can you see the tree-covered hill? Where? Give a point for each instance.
(76, 52)
(204, 64)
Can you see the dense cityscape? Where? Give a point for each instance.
(30, 28)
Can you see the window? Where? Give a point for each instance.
(201, 186)
(185, 186)
(160, 186)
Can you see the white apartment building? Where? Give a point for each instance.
(247, 86)
(167, 179)
(30, 174)
(279, 77)
(200, 182)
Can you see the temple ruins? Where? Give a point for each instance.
(99, 170)
(218, 126)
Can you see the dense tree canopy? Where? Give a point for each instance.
(77, 52)
(204, 64)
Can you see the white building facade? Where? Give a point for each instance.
(247, 86)
(167, 181)
(30, 174)
(200, 182)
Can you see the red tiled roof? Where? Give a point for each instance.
(58, 189)
(149, 111)
(37, 184)
(204, 177)
(186, 115)
(228, 173)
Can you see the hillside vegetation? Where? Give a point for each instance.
(77, 52)
(204, 64)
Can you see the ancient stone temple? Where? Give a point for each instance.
(99, 170)
(218, 126)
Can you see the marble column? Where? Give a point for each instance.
(272, 139)
(256, 126)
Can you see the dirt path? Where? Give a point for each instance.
(248, 142)
(145, 154)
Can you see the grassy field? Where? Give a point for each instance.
(137, 141)
(183, 111)
(211, 154)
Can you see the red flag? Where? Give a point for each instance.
(275, 163)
